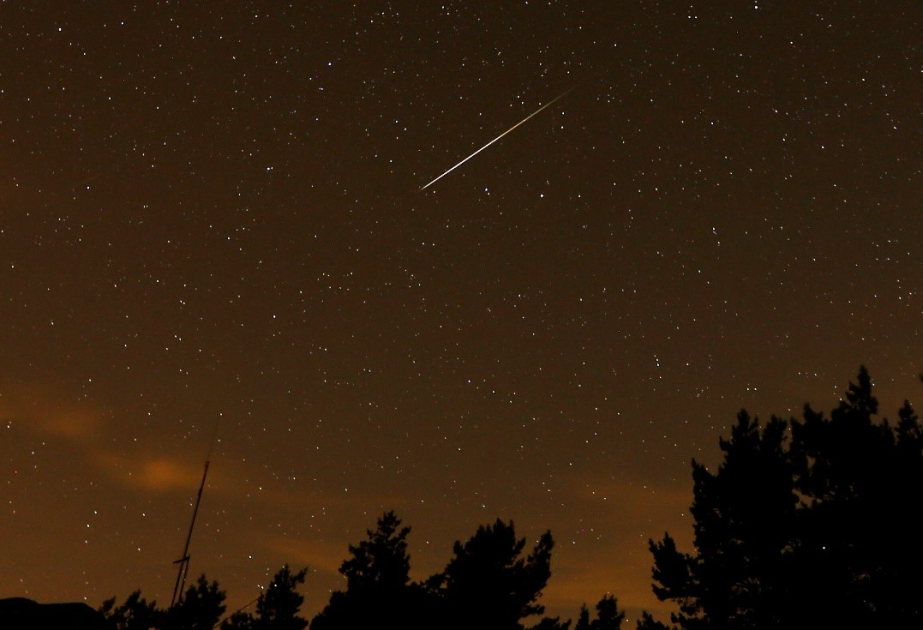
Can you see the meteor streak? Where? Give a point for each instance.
(535, 113)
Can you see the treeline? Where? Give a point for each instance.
(806, 523)
(492, 581)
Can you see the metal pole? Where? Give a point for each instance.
(183, 562)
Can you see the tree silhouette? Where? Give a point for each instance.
(382, 560)
(608, 616)
(378, 588)
(862, 480)
(583, 620)
(135, 613)
(551, 623)
(200, 607)
(796, 527)
(488, 584)
(647, 622)
(277, 608)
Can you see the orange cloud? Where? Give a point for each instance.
(162, 474)
(38, 409)
(74, 423)
(156, 474)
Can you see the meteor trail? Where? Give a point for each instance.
(536, 112)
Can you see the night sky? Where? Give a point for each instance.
(211, 216)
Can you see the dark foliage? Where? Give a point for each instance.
(608, 616)
(135, 613)
(382, 560)
(378, 591)
(551, 623)
(200, 607)
(801, 525)
(647, 622)
(489, 585)
(277, 608)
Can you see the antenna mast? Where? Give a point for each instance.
(183, 562)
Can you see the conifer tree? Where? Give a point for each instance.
(796, 528)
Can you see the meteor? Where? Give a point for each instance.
(535, 113)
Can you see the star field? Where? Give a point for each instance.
(211, 215)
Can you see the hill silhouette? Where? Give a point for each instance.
(19, 613)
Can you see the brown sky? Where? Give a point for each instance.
(211, 214)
